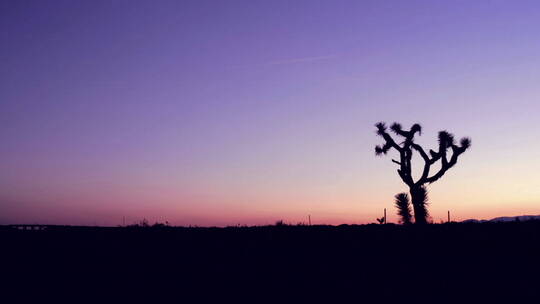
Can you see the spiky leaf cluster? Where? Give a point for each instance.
(403, 206)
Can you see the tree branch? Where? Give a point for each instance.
(456, 152)
(389, 142)
(427, 163)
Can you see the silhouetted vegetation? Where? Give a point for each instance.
(145, 224)
(280, 223)
(405, 149)
(404, 208)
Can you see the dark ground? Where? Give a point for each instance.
(453, 261)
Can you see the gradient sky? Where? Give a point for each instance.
(247, 112)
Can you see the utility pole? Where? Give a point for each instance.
(309, 219)
(385, 215)
(449, 216)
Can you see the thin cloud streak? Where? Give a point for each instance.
(288, 61)
(302, 59)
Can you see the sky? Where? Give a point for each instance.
(216, 113)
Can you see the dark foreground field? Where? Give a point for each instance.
(282, 263)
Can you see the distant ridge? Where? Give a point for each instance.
(505, 219)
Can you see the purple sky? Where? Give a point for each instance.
(227, 112)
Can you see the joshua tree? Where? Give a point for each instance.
(405, 149)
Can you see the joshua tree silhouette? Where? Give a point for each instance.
(417, 189)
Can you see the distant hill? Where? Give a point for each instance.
(474, 221)
(505, 219)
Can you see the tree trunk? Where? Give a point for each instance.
(419, 201)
